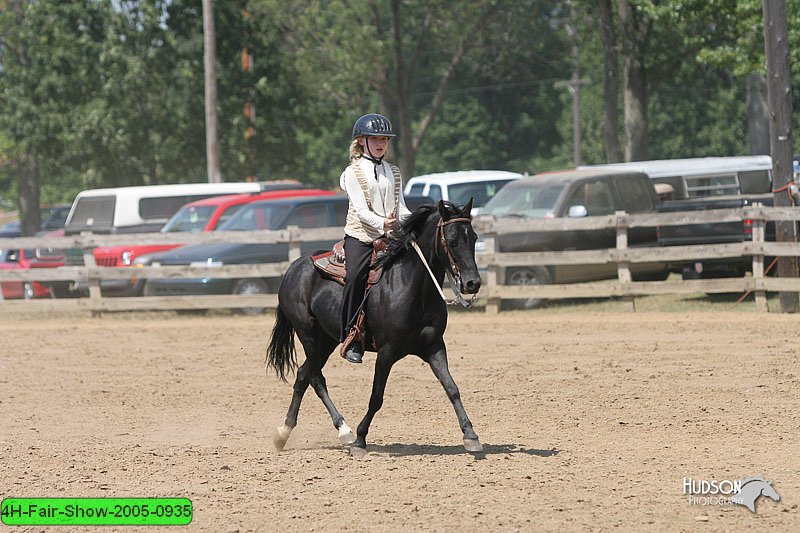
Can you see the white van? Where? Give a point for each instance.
(459, 187)
(147, 208)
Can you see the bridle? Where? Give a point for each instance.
(441, 241)
(453, 273)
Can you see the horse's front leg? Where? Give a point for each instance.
(438, 362)
(383, 366)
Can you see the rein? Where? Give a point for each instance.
(453, 274)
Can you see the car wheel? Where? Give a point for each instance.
(536, 275)
(250, 286)
(28, 292)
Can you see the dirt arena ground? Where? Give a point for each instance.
(590, 421)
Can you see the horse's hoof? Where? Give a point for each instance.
(347, 438)
(281, 436)
(358, 452)
(473, 445)
(346, 435)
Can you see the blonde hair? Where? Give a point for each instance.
(356, 150)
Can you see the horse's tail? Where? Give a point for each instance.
(281, 355)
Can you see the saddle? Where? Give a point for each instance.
(332, 265)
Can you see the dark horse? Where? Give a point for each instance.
(405, 315)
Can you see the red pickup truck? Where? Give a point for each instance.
(201, 215)
(27, 259)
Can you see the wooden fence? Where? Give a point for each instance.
(492, 292)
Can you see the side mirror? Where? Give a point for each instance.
(577, 211)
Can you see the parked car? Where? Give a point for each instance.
(459, 187)
(53, 219)
(147, 208)
(574, 193)
(140, 209)
(714, 233)
(11, 259)
(307, 212)
(200, 216)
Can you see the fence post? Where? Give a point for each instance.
(623, 267)
(759, 231)
(294, 244)
(95, 294)
(492, 277)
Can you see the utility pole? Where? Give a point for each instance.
(249, 105)
(574, 86)
(210, 58)
(779, 97)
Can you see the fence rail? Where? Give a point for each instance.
(494, 262)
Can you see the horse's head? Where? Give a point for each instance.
(455, 245)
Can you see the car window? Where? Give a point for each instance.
(340, 213)
(189, 218)
(309, 216)
(481, 193)
(636, 197)
(257, 216)
(416, 189)
(56, 218)
(526, 199)
(435, 192)
(595, 196)
(228, 213)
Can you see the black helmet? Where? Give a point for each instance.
(373, 125)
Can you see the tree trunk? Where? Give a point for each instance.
(28, 186)
(757, 115)
(411, 140)
(779, 95)
(610, 127)
(634, 86)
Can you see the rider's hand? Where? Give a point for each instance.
(390, 224)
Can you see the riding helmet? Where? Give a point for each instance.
(372, 125)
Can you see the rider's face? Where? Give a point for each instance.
(375, 146)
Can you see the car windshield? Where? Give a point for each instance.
(189, 218)
(481, 192)
(529, 199)
(258, 216)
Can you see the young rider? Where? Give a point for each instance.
(375, 190)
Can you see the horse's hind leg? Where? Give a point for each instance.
(325, 346)
(438, 363)
(317, 347)
(301, 383)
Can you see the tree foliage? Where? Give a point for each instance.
(110, 92)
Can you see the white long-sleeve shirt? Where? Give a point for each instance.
(382, 199)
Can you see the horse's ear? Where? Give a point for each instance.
(467, 210)
(443, 210)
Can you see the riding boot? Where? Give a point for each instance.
(354, 353)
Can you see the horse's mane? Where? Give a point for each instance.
(410, 230)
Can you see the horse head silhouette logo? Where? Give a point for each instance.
(752, 488)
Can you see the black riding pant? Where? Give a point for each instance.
(356, 257)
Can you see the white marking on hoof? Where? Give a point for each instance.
(473, 445)
(358, 452)
(346, 435)
(281, 436)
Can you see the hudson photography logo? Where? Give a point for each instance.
(744, 491)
